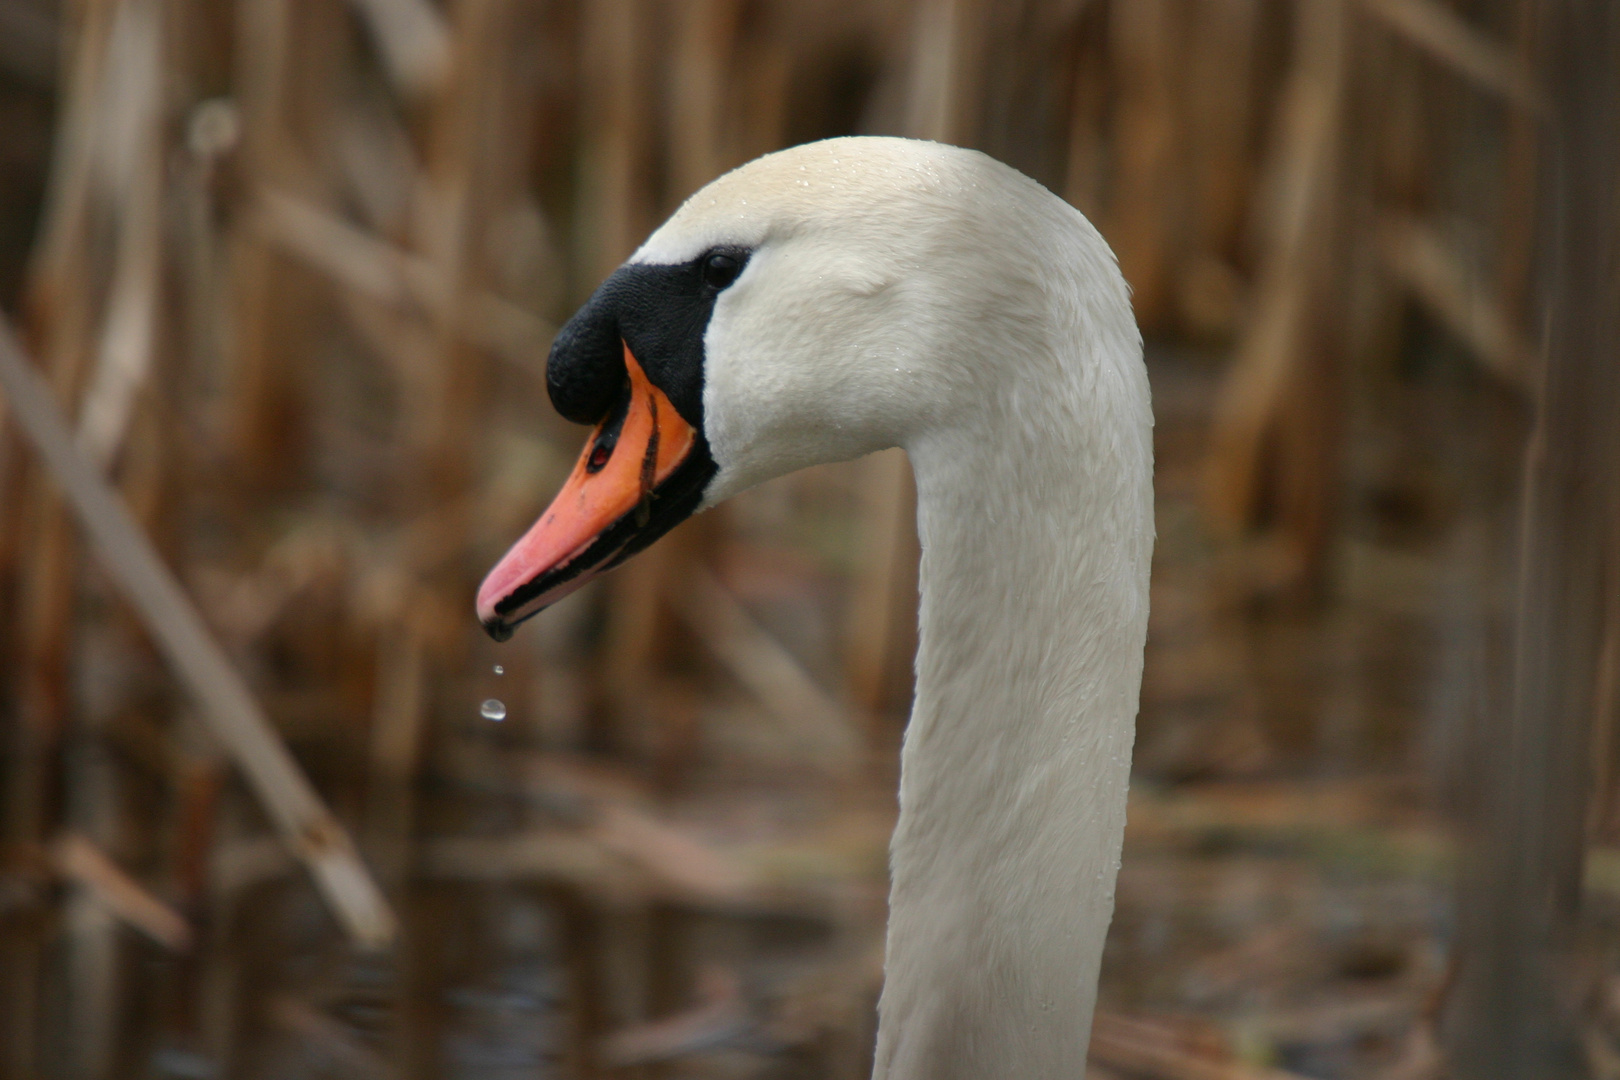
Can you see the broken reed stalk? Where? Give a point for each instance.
(1441, 281)
(413, 40)
(306, 825)
(1444, 35)
(81, 861)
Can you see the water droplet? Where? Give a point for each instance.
(499, 670)
(493, 709)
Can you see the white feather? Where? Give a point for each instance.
(912, 294)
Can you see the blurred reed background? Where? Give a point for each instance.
(290, 269)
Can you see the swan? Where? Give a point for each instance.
(842, 297)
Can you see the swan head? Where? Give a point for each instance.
(812, 306)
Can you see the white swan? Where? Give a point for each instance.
(842, 297)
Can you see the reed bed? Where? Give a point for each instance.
(279, 278)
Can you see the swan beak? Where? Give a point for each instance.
(617, 500)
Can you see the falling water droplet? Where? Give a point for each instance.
(499, 670)
(494, 709)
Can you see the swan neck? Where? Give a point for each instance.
(1017, 756)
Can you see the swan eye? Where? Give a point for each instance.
(720, 269)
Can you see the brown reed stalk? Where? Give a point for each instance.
(307, 826)
(1519, 908)
(1272, 359)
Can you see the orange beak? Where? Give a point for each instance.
(637, 478)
